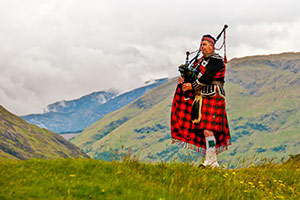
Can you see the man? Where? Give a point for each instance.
(201, 120)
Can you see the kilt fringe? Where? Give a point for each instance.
(200, 150)
(187, 145)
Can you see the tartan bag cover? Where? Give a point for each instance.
(213, 117)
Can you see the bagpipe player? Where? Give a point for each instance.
(198, 115)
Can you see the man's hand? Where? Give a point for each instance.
(180, 80)
(187, 86)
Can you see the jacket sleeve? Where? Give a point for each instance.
(212, 68)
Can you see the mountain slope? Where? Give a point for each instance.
(263, 105)
(141, 127)
(75, 115)
(21, 140)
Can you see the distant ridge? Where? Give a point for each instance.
(21, 140)
(275, 56)
(75, 115)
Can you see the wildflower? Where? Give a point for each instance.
(261, 185)
(72, 175)
(245, 190)
(252, 164)
(259, 182)
(280, 181)
(233, 173)
(242, 182)
(224, 176)
(250, 183)
(103, 190)
(223, 166)
(118, 172)
(181, 190)
(283, 185)
(275, 181)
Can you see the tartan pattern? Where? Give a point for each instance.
(219, 74)
(214, 118)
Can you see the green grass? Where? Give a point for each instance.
(130, 179)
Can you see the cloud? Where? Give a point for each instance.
(54, 50)
(265, 38)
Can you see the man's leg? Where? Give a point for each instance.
(211, 156)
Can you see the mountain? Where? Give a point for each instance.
(21, 140)
(87, 102)
(263, 105)
(142, 126)
(75, 115)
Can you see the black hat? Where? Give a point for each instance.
(209, 38)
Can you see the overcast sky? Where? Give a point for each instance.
(52, 50)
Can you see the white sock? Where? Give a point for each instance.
(211, 157)
(210, 143)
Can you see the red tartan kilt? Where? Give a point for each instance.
(213, 118)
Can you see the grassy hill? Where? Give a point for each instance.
(141, 127)
(98, 179)
(21, 140)
(263, 105)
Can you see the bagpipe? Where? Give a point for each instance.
(188, 72)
